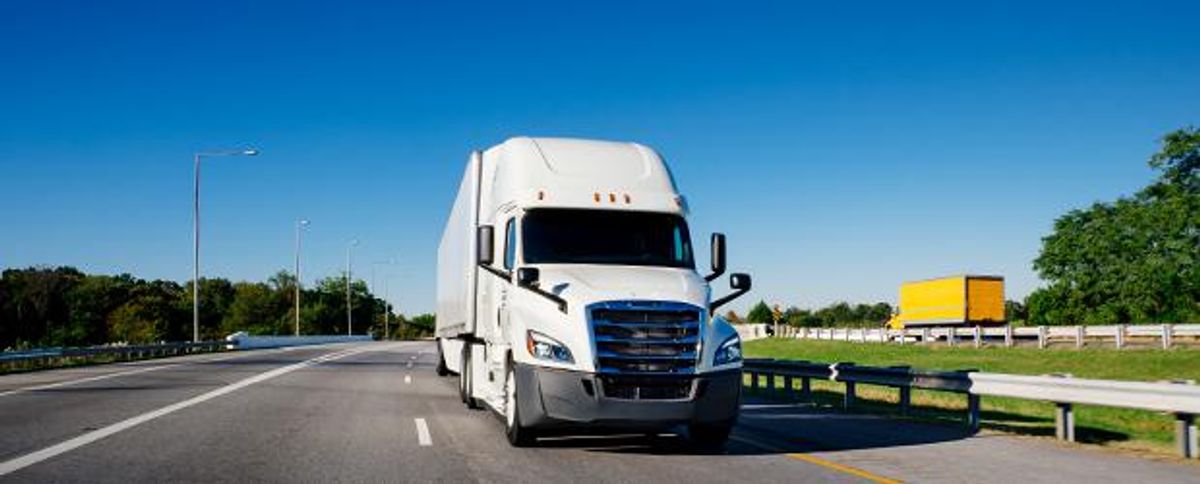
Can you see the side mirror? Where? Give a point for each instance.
(718, 256)
(741, 285)
(528, 276)
(484, 244)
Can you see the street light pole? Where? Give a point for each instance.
(196, 231)
(375, 287)
(349, 316)
(299, 224)
(387, 310)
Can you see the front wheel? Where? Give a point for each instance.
(518, 435)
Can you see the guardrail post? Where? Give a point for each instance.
(1080, 334)
(753, 382)
(973, 412)
(1064, 422)
(1167, 331)
(951, 335)
(1042, 337)
(848, 401)
(978, 337)
(1185, 436)
(1120, 336)
(771, 384)
(862, 335)
(903, 336)
(789, 392)
(926, 335)
(1008, 336)
(905, 399)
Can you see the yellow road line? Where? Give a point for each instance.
(854, 471)
(828, 464)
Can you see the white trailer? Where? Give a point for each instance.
(567, 294)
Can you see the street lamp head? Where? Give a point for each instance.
(353, 242)
(250, 152)
(303, 222)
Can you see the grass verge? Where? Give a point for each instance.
(1121, 428)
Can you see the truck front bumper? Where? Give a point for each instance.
(552, 397)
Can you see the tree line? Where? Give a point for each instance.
(840, 314)
(62, 306)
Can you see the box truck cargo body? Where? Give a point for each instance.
(964, 300)
(568, 295)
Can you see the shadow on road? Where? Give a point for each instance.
(766, 427)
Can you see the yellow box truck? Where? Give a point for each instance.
(964, 300)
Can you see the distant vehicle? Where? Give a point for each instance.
(587, 310)
(964, 300)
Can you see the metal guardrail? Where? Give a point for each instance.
(1182, 399)
(1119, 336)
(128, 351)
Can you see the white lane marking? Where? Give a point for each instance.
(89, 379)
(48, 386)
(27, 460)
(407, 379)
(423, 433)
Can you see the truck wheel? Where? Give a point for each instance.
(441, 366)
(518, 435)
(711, 436)
(465, 383)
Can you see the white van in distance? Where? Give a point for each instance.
(567, 294)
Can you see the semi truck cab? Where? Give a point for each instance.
(568, 294)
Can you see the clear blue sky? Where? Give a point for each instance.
(843, 149)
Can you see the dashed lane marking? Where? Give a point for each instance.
(423, 433)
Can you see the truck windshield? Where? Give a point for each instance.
(573, 236)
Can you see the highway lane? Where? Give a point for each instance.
(378, 413)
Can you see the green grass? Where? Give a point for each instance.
(1131, 429)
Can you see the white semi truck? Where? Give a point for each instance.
(567, 294)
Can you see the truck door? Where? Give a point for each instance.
(510, 265)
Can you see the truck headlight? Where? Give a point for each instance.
(729, 352)
(546, 348)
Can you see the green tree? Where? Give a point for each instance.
(255, 309)
(759, 314)
(1133, 260)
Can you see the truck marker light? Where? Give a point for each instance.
(541, 195)
(596, 197)
(627, 199)
(612, 198)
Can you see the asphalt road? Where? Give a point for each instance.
(376, 412)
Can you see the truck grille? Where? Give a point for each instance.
(646, 387)
(646, 337)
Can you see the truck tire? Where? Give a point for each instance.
(709, 436)
(518, 435)
(442, 370)
(465, 383)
